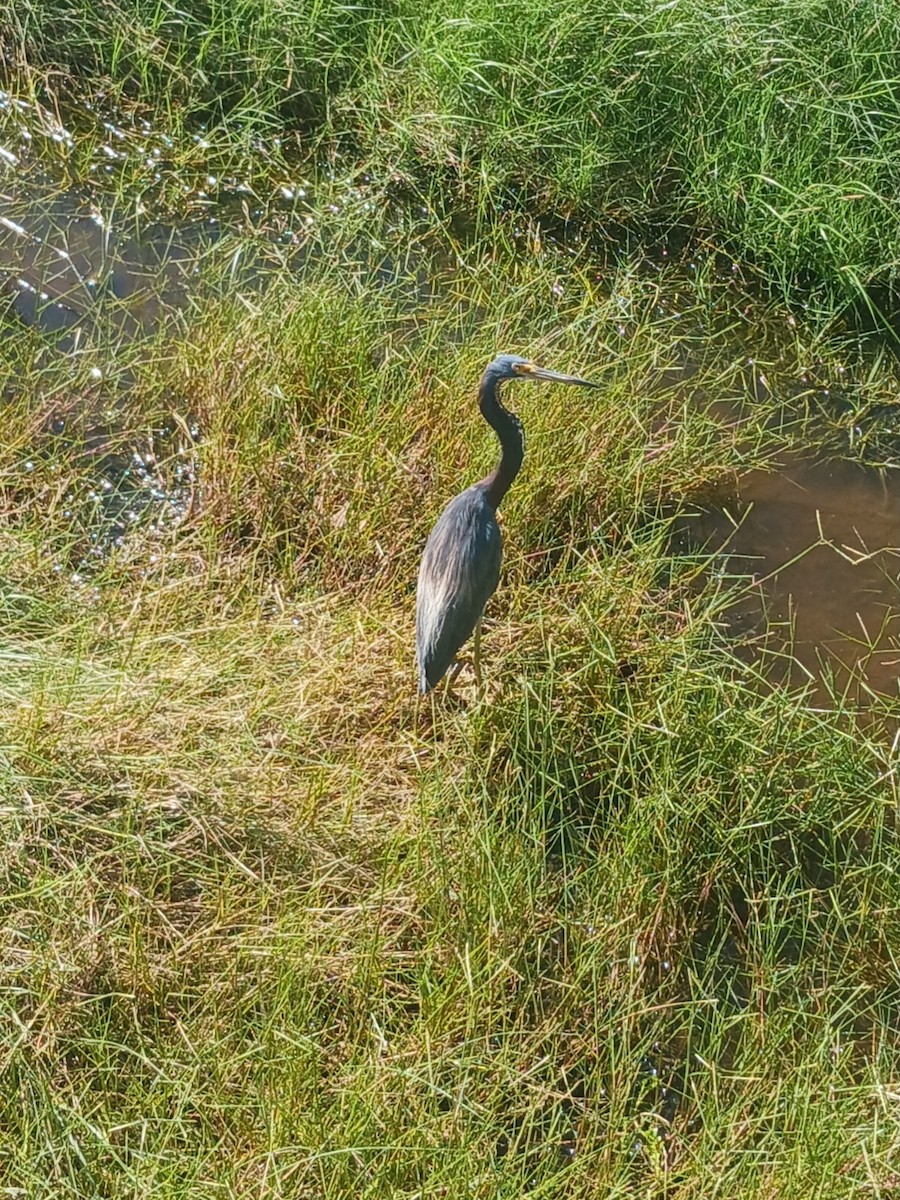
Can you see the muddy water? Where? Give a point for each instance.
(816, 549)
(59, 272)
(63, 267)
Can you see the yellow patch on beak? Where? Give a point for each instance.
(523, 368)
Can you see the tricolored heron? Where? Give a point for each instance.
(461, 563)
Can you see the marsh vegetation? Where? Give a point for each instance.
(627, 926)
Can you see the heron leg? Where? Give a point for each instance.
(477, 653)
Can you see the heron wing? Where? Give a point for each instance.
(459, 573)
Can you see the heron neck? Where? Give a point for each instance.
(508, 429)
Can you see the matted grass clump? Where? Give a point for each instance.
(265, 934)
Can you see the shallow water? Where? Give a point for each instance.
(61, 264)
(818, 548)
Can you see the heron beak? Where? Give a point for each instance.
(532, 371)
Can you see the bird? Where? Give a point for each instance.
(460, 566)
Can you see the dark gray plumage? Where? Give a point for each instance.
(461, 563)
(459, 574)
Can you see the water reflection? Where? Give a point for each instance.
(60, 262)
(820, 545)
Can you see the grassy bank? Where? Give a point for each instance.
(265, 936)
(773, 124)
(627, 927)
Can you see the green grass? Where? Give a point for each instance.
(263, 936)
(626, 926)
(773, 124)
(271, 930)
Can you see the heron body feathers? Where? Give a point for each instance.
(459, 573)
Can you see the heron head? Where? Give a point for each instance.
(513, 366)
